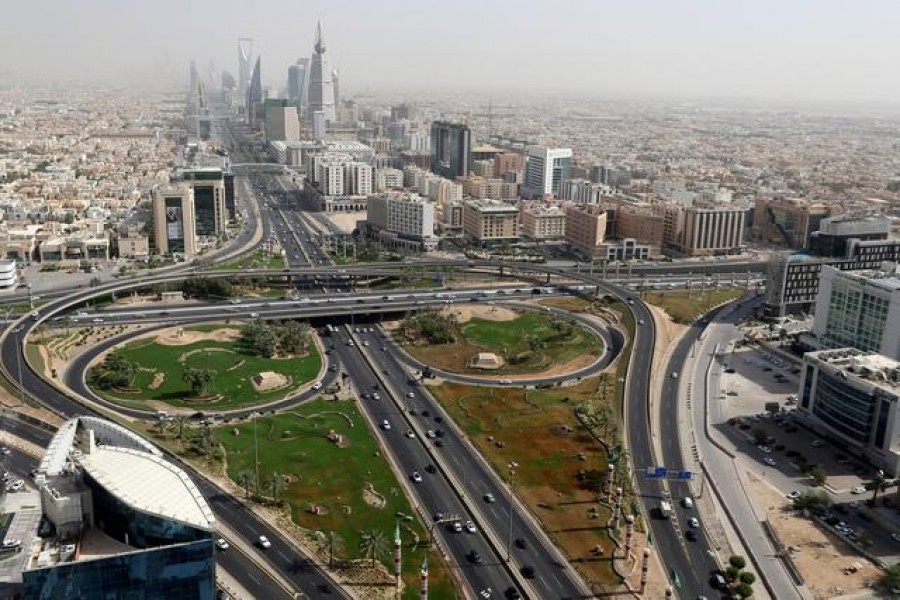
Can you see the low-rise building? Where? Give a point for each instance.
(490, 222)
(853, 397)
(541, 222)
(586, 229)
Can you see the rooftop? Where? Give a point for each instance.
(148, 483)
(879, 370)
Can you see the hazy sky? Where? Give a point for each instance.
(787, 49)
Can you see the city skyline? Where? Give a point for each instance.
(805, 50)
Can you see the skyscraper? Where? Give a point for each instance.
(321, 84)
(255, 95)
(245, 55)
(545, 168)
(337, 89)
(298, 81)
(450, 144)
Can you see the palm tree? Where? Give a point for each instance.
(180, 422)
(244, 480)
(373, 544)
(876, 482)
(335, 543)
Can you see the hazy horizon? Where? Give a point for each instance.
(766, 50)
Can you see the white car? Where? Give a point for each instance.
(386, 425)
(15, 486)
(470, 527)
(860, 489)
(264, 542)
(222, 544)
(11, 543)
(317, 385)
(431, 434)
(793, 495)
(457, 526)
(410, 434)
(769, 461)
(694, 522)
(416, 477)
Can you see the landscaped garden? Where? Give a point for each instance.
(323, 461)
(209, 367)
(686, 305)
(520, 341)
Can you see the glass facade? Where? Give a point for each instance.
(844, 407)
(182, 572)
(855, 318)
(204, 210)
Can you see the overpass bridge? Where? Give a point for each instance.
(255, 168)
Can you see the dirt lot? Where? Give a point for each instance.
(821, 557)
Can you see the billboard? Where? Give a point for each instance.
(174, 219)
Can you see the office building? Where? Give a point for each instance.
(542, 222)
(321, 84)
(627, 249)
(255, 96)
(210, 214)
(450, 143)
(582, 191)
(507, 162)
(282, 120)
(545, 168)
(298, 81)
(586, 229)
(852, 397)
(475, 186)
(173, 221)
(787, 222)
(792, 280)
(245, 61)
(859, 309)
(490, 222)
(127, 523)
(835, 232)
(701, 231)
(402, 220)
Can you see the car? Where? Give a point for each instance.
(527, 572)
(817, 443)
(674, 374)
(895, 537)
(439, 443)
(793, 495)
(475, 558)
(332, 368)
(409, 433)
(11, 543)
(520, 543)
(489, 498)
(97, 320)
(431, 434)
(694, 522)
(4, 451)
(317, 385)
(430, 469)
(386, 425)
(512, 593)
(860, 489)
(470, 527)
(15, 486)
(365, 342)
(415, 476)
(765, 450)
(687, 502)
(456, 526)
(410, 395)
(691, 535)
(350, 343)
(640, 321)
(222, 544)
(264, 542)
(769, 461)
(254, 315)
(376, 396)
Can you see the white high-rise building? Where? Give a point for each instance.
(546, 168)
(401, 219)
(321, 82)
(359, 178)
(245, 65)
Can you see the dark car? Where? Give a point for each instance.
(527, 572)
(691, 535)
(520, 543)
(430, 468)
(512, 593)
(475, 557)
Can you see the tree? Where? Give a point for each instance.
(198, 380)
(244, 480)
(373, 545)
(334, 543)
(737, 561)
(890, 578)
(816, 502)
(180, 422)
(743, 590)
(875, 483)
(276, 485)
(819, 475)
(748, 578)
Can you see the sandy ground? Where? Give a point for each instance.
(821, 557)
(465, 314)
(177, 336)
(268, 380)
(347, 221)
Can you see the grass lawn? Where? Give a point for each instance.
(686, 305)
(335, 479)
(513, 340)
(538, 430)
(569, 303)
(234, 364)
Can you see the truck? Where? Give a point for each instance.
(665, 509)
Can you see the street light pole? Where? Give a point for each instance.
(512, 473)
(256, 450)
(19, 351)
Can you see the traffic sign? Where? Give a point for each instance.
(684, 475)
(656, 472)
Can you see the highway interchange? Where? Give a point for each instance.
(455, 460)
